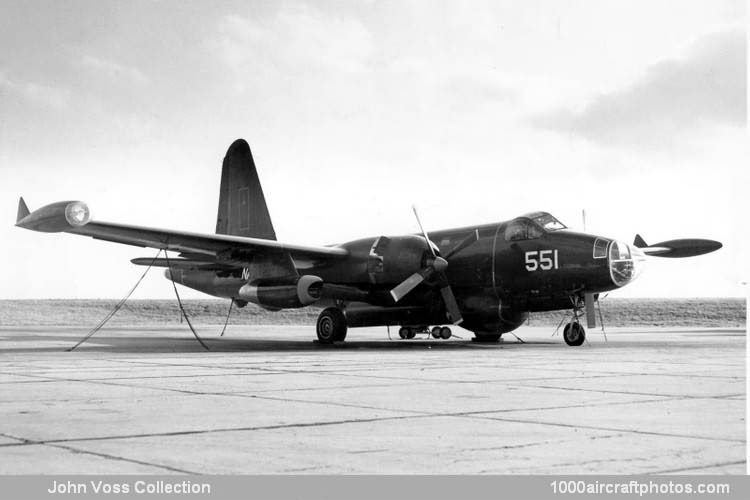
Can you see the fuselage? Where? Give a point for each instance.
(514, 267)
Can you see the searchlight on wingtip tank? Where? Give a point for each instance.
(55, 217)
(487, 278)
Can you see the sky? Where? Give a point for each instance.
(474, 111)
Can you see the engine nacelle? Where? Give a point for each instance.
(301, 292)
(391, 260)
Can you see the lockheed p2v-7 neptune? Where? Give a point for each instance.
(487, 278)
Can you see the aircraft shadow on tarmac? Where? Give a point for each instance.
(48, 343)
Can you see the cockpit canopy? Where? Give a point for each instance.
(531, 226)
(546, 220)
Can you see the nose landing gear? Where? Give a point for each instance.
(574, 334)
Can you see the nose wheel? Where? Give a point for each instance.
(574, 334)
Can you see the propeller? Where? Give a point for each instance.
(436, 266)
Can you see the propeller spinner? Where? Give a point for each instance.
(436, 266)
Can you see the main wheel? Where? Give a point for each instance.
(331, 326)
(435, 332)
(574, 334)
(403, 332)
(445, 333)
(486, 337)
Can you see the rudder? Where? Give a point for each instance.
(242, 206)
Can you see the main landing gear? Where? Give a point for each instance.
(437, 332)
(331, 326)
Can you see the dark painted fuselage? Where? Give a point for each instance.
(514, 267)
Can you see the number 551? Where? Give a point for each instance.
(541, 259)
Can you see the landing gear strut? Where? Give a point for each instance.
(331, 326)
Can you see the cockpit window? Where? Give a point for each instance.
(522, 229)
(547, 221)
(600, 248)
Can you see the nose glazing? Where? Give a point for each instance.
(624, 263)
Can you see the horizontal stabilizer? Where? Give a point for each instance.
(23, 210)
(679, 248)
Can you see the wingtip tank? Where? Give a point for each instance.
(54, 218)
(674, 249)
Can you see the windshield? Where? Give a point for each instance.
(522, 229)
(547, 221)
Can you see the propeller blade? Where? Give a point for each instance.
(466, 242)
(438, 265)
(427, 238)
(409, 284)
(451, 306)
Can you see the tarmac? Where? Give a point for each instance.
(270, 400)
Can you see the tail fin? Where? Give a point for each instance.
(23, 210)
(242, 206)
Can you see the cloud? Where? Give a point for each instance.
(297, 39)
(36, 93)
(675, 99)
(114, 70)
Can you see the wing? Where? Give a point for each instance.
(74, 217)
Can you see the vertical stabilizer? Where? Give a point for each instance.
(242, 206)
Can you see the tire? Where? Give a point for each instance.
(403, 332)
(445, 333)
(412, 333)
(486, 337)
(435, 332)
(574, 334)
(341, 334)
(331, 326)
